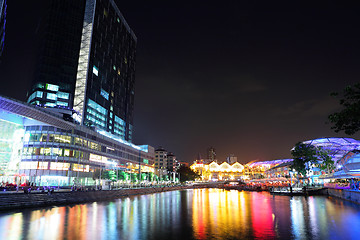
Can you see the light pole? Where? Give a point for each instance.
(140, 167)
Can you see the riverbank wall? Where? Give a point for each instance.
(18, 200)
(345, 194)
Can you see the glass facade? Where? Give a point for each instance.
(60, 31)
(87, 58)
(55, 151)
(111, 77)
(10, 146)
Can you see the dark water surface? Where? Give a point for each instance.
(190, 214)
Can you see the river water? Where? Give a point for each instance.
(190, 214)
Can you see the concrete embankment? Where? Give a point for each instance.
(13, 200)
(345, 194)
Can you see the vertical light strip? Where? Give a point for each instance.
(1, 7)
(83, 65)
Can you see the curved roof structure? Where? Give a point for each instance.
(223, 167)
(267, 164)
(337, 147)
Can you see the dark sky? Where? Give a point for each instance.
(250, 78)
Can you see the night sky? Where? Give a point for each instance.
(250, 78)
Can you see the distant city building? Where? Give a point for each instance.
(87, 63)
(211, 154)
(172, 162)
(3, 7)
(160, 161)
(231, 159)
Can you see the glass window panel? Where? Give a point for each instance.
(51, 96)
(66, 152)
(62, 95)
(43, 138)
(52, 87)
(39, 94)
(50, 104)
(105, 94)
(95, 70)
(64, 104)
(43, 165)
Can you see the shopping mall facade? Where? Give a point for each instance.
(38, 146)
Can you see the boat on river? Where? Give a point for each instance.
(296, 191)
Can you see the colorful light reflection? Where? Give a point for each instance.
(190, 214)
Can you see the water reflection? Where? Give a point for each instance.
(191, 214)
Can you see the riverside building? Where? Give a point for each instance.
(40, 147)
(79, 116)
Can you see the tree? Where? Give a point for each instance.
(306, 155)
(348, 119)
(326, 163)
(96, 174)
(110, 175)
(186, 174)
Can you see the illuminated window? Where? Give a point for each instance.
(62, 95)
(66, 152)
(78, 141)
(52, 87)
(95, 70)
(43, 165)
(51, 96)
(50, 104)
(28, 165)
(65, 104)
(32, 96)
(59, 166)
(97, 107)
(105, 94)
(57, 152)
(119, 121)
(39, 94)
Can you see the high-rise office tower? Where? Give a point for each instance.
(211, 154)
(2, 24)
(87, 63)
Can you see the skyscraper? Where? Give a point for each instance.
(2, 24)
(211, 154)
(87, 63)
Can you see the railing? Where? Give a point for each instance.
(337, 185)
